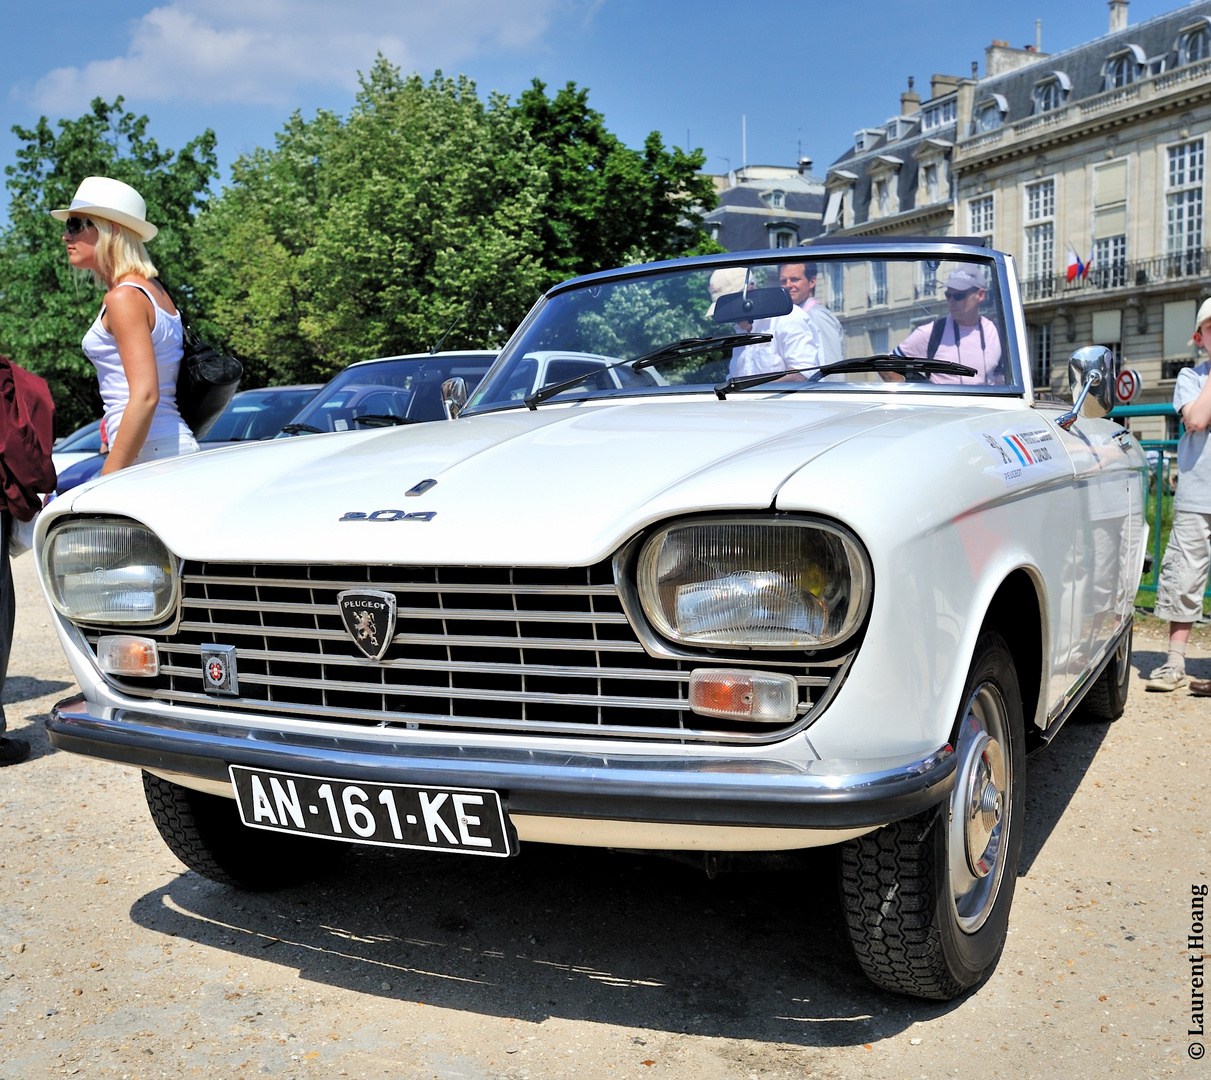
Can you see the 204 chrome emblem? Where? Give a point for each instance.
(388, 515)
(369, 617)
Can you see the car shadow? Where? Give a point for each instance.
(618, 938)
(18, 688)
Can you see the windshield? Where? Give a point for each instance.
(836, 322)
(259, 414)
(407, 389)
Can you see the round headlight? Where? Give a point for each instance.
(109, 572)
(754, 584)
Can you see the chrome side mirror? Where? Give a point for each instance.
(454, 397)
(1092, 373)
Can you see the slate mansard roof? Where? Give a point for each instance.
(1079, 70)
(745, 217)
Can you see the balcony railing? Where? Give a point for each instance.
(1134, 274)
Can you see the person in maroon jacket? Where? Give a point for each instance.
(27, 430)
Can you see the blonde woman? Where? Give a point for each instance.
(135, 342)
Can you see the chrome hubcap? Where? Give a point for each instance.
(979, 809)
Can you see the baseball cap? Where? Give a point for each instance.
(965, 277)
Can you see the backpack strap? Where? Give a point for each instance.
(935, 336)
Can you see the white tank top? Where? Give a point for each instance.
(166, 338)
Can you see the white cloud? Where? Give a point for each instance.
(264, 51)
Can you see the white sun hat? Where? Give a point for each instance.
(729, 279)
(103, 197)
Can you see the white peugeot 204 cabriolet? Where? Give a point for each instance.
(798, 569)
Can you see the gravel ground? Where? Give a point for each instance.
(115, 961)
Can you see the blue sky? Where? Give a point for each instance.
(804, 74)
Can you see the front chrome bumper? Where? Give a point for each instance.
(730, 791)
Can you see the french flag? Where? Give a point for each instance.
(1076, 268)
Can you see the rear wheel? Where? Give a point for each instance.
(927, 899)
(205, 832)
(1107, 698)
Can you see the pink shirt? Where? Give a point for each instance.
(975, 350)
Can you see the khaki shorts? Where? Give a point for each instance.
(1179, 593)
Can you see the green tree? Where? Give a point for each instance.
(610, 205)
(372, 236)
(45, 307)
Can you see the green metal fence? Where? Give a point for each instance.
(1159, 496)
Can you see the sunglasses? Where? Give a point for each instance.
(957, 296)
(73, 226)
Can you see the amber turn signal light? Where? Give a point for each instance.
(762, 697)
(125, 654)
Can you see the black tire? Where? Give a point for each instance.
(927, 911)
(1107, 697)
(205, 832)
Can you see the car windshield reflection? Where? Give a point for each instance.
(810, 325)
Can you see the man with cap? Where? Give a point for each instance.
(795, 345)
(964, 336)
(799, 279)
(1179, 593)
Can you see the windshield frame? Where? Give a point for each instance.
(892, 249)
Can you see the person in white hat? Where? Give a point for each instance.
(1179, 592)
(963, 336)
(136, 340)
(795, 345)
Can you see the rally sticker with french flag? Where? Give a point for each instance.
(1023, 453)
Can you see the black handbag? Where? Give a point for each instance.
(206, 383)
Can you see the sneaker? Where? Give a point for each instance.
(1167, 678)
(13, 750)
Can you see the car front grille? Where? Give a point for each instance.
(540, 651)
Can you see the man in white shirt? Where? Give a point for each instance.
(795, 344)
(799, 279)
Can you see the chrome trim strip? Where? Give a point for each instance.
(401, 586)
(1061, 713)
(451, 614)
(638, 674)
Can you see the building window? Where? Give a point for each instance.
(883, 197)
(878, 341)
(783, 237)
(836, 286)
(1121, 68)
(939, 115)
(715, 227)
(980, 217)
(1194, 43)
(990, 114)
(931, 183)
(1049, 94)
(1184, 209)
(775, 199)
(1040, 355)
(1109, 266)
(1040, 238)
(878, 283)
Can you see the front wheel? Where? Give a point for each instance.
(205, 832)
(927, 899)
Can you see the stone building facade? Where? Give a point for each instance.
(1095, 156)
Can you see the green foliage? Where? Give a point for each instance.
(425, 208)
(610, 205)
(45, 307)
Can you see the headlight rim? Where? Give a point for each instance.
(630, 561)
(173, 607)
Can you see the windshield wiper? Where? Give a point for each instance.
(294, 429)
(902, 365)
(677, 350)
(383, 420)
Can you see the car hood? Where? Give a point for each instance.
(560, 486)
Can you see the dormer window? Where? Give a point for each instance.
(775, 199)
(1194, 42)
(1123, 67)
(866, 138)
(1051, 92)
(937, 116)
(990, 113)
